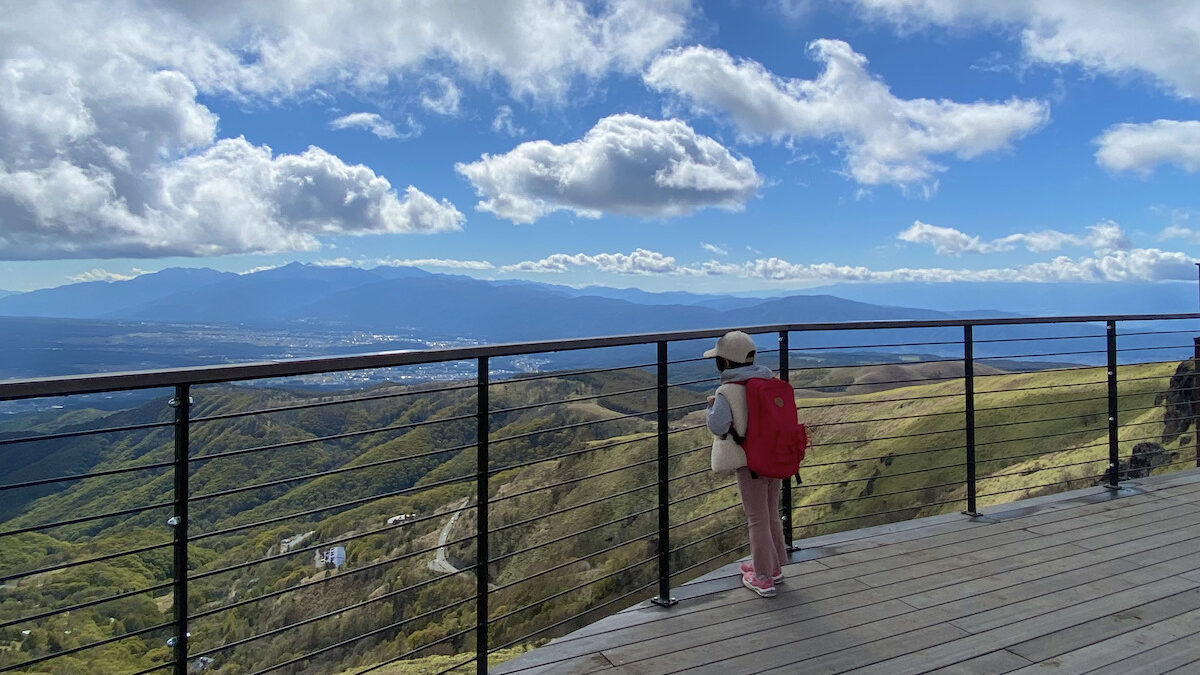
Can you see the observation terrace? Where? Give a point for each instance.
(984, 496)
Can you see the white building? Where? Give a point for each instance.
(334, 556)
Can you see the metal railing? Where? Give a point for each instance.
(932, 417)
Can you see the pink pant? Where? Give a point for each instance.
(760, 498)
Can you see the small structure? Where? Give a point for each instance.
(333, 557)
(289, 543)
(401, 518)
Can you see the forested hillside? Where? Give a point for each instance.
(572, 510)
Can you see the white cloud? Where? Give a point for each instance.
(504, 122)
(232, 197)
(105, 150)
(101, 274)
(438, 262)
(375, 124)
(1142, 264)
(1107, 36)
(260, 268)
(446, 100)
(333, 262)
(1104, 236)
(625, 164)
(1134, 265)
(1142, 147)
(284, 48)
(714, 249)
(886, 139)
(640, 261)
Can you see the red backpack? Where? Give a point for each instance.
(775, 442)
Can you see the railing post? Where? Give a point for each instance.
(969, 412)
(1114, 457)
(784, 374)
(481, 511)
(1192, 396)
(182, 403)
(664, 598)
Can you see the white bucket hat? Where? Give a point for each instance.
(734, 346)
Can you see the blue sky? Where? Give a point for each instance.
(669, 145)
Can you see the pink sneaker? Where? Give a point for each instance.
(761, 585)
(749, 567)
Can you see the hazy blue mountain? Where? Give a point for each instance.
(267, 296)
(1029, 299)
(4, 293)
(458, 306)
(97, 299)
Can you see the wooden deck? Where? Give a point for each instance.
(1091, 581)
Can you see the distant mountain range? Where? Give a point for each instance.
(182, 317)
(434, 305)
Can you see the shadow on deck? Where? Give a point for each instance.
(1087, 581)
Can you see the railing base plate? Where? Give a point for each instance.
(664, 603)
(973, 514)
(1114, 488)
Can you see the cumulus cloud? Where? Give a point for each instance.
(105, 150)
(1104, 236)
(438, 262)
(1142, 147)
(233, 197)
(886, 139)
(713, 248)
(373, 123)
(640, 261)
(1115, 37)
(283, 48)
(625, 164)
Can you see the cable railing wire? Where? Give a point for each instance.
(332, 437)
(86, 519)
(323, 404)
(83, 476)
(84, 432)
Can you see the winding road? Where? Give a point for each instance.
(440, 563)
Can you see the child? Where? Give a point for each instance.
(727, 412)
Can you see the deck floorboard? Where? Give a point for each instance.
(1091, 581)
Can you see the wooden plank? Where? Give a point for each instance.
(1137, 580)
(943, 580)
(959, 558)
(1098, 536)
(1101, 629)
(1019, 584)
(733, 635)
(1020, 630)
(1121, 647)
(1161, 659)
(948, 580)
(928, 577)
(1083, 567)
(994, 663)
(591, 663)
(847, 657)
(1101, 517)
